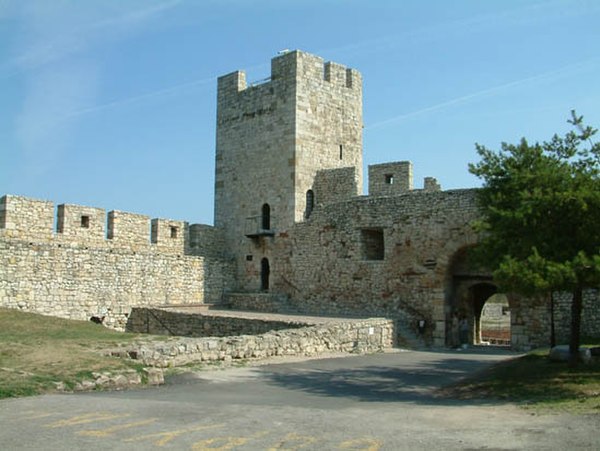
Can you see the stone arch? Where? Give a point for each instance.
(468, 288)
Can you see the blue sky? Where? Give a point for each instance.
(112, 103)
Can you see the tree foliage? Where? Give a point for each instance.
(541, 214)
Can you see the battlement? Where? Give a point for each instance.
(294, 67)
(389, 179)
(29, 219)
(335, 185)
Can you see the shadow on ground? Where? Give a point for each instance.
(414, 377)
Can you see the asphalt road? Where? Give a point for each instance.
(376, 402)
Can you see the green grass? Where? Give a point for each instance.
(535, 382)
(36, 352)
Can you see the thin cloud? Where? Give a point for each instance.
(56, 44)
(549, 75)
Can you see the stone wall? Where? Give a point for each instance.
(359, 336)
(388, 179)
(77, 273)
(166, 322)
(272, 139)
(323, 268)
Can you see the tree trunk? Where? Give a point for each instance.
(552, 330)
(576, 306)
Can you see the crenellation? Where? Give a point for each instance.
(128, 229)
(80, 223)
(431, 184)
(389, 179)
(335, 73)
(292, 230)
(169, 235)
(26, 218)
(335, 185)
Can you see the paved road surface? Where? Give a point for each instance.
(376, 402)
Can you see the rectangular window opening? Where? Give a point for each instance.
(341, 151)
(173, 232)
(85, 222)
(373, 246)
(389, 179)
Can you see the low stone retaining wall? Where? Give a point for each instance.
(167, 322)
(351, 336)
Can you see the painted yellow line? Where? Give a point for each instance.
(120, 427)
(362, 444)
(166, 437)
(293, 442)
(228, 443)
(87, 418)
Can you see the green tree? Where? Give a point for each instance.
(541, 217)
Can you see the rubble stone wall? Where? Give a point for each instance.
(77, 273)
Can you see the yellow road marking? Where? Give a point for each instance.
(111, 430)
(170, 435)
(228, 442)
(362, 444)
(293, 441)
(87, 418)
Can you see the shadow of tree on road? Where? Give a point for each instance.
(414, 383)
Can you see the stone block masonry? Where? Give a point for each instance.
(83, 270)
(341, 336)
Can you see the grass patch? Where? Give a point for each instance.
(535, 382)
(36, 352)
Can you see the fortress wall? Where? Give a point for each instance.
(376, 255)
(390, 179)
(22, 217)
(205, 240)
(335, 185)
(76, 273)
(82, 224)
(168, 234)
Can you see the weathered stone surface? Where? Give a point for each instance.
(361, 336)
(290, 223)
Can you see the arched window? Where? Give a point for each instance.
(265, 270)
(266, 217)
(310, 203)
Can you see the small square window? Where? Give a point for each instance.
(173, 232)
(389, 179)
(85, 222)
(373, 247)
(248, 258)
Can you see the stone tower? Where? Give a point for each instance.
(272, 138)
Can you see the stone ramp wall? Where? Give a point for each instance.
(165, 322)
(349, 336)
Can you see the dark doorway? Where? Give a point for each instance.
(266, 217)
(264, 274)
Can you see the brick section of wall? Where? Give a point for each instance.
(360, 336)
(389, 179)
